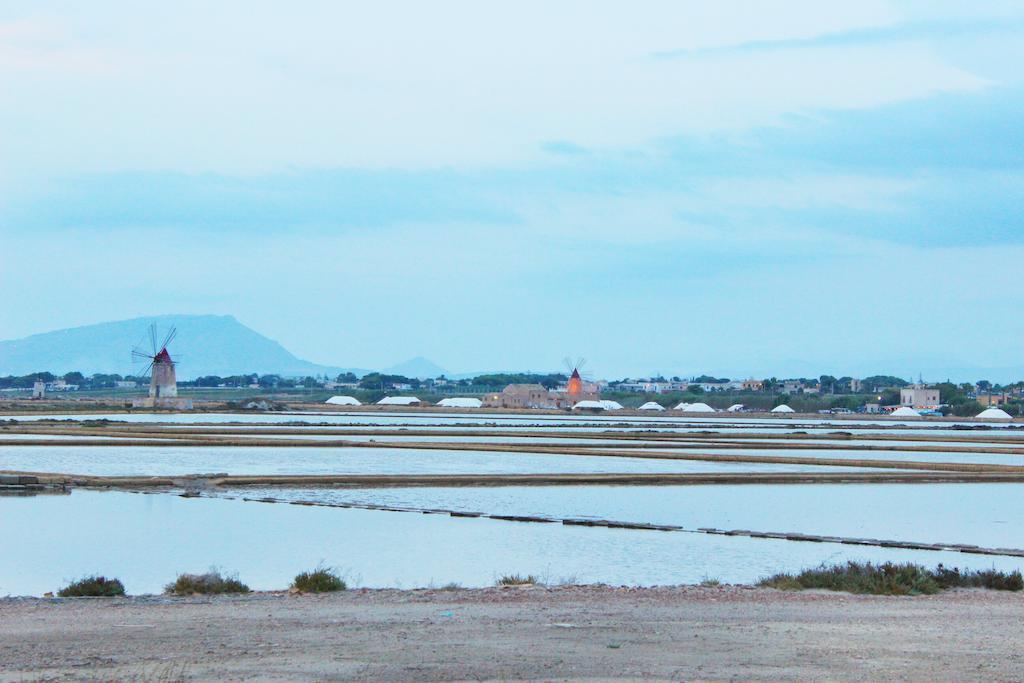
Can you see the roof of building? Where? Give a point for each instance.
(782, 408)
(994, 414)
(514, 388)
(452, 402)
(343, 401)
(651, 405)
(398, 401)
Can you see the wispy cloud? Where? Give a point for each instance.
(930, 31)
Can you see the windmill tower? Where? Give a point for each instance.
(575, 385)
(576, 388)
(163, 383)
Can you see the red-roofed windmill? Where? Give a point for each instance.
(575, 385)
(163, 383)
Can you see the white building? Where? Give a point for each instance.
(919, 396)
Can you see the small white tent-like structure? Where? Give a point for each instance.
(460, 403)
(698, 408)
(681, 406)
(735, 408)
(783, 408)
(904, 411)
(994, 414)
(343, 401)
(611, 405)
(399, 401)
(651, 405)
(589, 405)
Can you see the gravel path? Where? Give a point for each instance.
(563, 633)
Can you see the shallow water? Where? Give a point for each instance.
(980, 514)
(145, 540)
(177, 460)
(839, 454)
(567, 420)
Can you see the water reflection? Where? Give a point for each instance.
(146, 539)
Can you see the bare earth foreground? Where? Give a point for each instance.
(564, 633)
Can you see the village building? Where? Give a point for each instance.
(520, 396)
(792, 386)
(919, 396)
(651, 386)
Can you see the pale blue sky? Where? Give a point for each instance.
(675, 187)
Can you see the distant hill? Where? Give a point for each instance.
(205, 345)
(417, 368)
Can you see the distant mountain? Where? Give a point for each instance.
(205, 345)
(417, 368)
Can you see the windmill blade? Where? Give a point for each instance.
(152, 338)
(171, 333)
(139, 354)
(145, 373)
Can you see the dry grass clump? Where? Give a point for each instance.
(517, 580)
(210, 583)
(320, 580)
(982, 578)
(92, 587)
(893, 579)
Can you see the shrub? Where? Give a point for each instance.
(320, 580)
(893, 579)
(516, 580)
(984, 578)
(92, 586)
(210, 583)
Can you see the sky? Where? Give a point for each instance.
(737, 188)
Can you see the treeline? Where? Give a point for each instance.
(96, 381)
(548, 380)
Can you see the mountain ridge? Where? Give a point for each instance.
(206, 344)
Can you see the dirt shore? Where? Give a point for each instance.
(564, 633)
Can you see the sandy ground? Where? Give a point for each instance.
(565, 633)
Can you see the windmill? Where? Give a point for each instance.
(575, 384)
(163, 383)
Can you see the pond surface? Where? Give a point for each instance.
(988, 515)
(177, 460)
(145, 540)
(520, 420)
